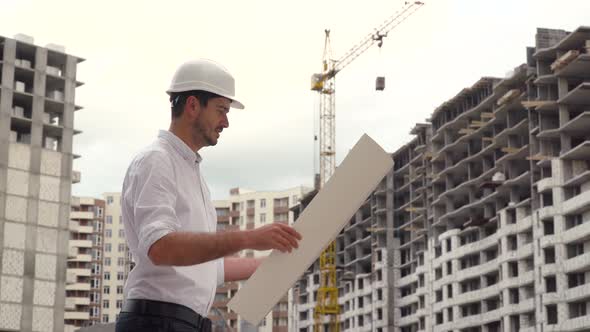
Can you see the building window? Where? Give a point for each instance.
(96, 240)
(105, 304)
(120, 276)
(105, 318)
(107, 261)
(550, 284)
(575, 249)
(549, 227)
(281, 217)
(107, 276)
(121, 247)
(109, 199)
(108, 233)
(577, 309)
(263, 203)
(551, 314)
(94, 283)
(120, 219)
(120, 261)
(121, 233)
(107, 247)
(573, 221)
(575, 279)
(109, 219)
(119, 304)
(107, 290)
(119, 289)
(262, 218)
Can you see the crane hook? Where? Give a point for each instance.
(379, 37)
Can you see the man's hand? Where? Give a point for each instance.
(274, 236)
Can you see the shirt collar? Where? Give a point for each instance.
(181, 147)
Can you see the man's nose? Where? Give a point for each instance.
(225, 122)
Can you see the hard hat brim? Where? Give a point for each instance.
(234, 103)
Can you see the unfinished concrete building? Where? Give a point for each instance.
(506, 173)
(482, 223)
(222, 317)
(363, 248)
(37, 104)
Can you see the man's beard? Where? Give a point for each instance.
(200, 132)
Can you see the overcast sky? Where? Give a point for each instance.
(272, 47)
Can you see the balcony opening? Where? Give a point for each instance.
(573, 191)
(492, 304)
(577, 309)
(512, 243)
(491, 279)
(575, 249)
(513, 295)
(514, 323)
(551, 314)
(511, 216)
(439, 295)
(572, 221)
(575, 279)
(546, 199)
(549, 255)
(439, 318)
(549, 227)
(513, 269)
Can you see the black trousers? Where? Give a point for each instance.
(157, 316)
(133, 322)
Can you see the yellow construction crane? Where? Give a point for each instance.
(327, 310)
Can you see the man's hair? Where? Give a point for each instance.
(178, 100)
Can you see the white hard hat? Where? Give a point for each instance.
(205, 75)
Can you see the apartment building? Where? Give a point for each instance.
(247, 209)
(37, 104)
(484, 213)
(223, 319)
(84, 266)
(117, 259)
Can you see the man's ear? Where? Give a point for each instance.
(192, 106)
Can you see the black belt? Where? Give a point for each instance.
(168, 310)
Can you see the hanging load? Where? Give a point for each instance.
(380, 83)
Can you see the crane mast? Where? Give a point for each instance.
(327, 309)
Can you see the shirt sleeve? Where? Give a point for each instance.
(154, 200)
(220, 271)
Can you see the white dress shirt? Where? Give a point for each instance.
(164, 192)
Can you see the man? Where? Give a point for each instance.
(170, 221)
